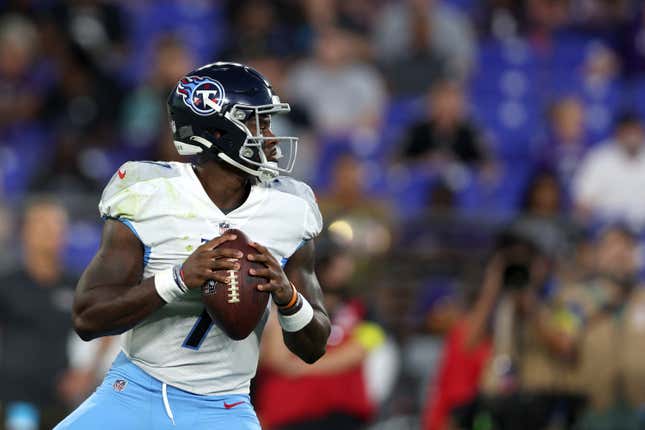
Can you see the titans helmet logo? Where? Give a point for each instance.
(204, 96)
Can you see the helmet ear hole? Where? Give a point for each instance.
(240, 115)
(247, 152)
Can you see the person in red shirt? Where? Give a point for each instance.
(458, 377)
(331, 393)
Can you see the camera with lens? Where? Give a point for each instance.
(518, 251)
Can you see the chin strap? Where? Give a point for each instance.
(265, 174)
(200, 144)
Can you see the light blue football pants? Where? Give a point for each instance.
(130, 399)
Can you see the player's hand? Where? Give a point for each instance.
(204, 263)
(278, 284)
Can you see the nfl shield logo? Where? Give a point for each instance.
(119, 385)
(209, 287)
(223, 226)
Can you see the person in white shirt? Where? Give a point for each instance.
(609, 184)
(342, 94)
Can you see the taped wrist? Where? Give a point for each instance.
(170, 284)
(299, 319)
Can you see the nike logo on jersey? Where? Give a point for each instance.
(121, 174)
(232, 405)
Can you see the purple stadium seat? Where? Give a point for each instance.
(500, 197)
(409, 188)
(148, 20)
(85, 237)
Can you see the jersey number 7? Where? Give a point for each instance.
(199, 331)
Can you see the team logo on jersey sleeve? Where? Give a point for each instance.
(204, 96)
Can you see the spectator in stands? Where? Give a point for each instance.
(612, 175)
(82, 109)
(452, 396)
(143, 118)
(347, 202)
(32, 64)
(521, 384)
(544, 214)
(356, 18)
(321, 14)
(600, 322)
(600, 68)
(436, 308)
(543, 197)
(419, 41)
(84, 100)
(22, 85)
(264, 28)
(342, 96)
(446, 134)
(566, 142)
(332, 393)
(346, 192)
(35, 307)
(98, 29)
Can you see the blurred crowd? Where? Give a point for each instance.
(480, 165)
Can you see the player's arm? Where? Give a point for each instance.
(111, 296)
(307, 342)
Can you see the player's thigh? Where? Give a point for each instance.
(127, 409)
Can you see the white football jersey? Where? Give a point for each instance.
(165, 205)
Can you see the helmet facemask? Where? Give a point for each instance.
(252, 152)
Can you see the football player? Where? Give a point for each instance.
(164, 224)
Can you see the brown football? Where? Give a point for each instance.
(238, 306)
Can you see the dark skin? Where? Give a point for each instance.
(111, 296)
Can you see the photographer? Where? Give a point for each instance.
(521, 385)
(609, 339)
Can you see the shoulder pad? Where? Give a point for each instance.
(313, 219)
(132, 185)
(132, 172)
(294, 187)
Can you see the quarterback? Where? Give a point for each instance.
(164, 238)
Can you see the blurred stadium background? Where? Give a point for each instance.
(480, 165)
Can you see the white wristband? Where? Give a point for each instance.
(166, 286)
(299, 320)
